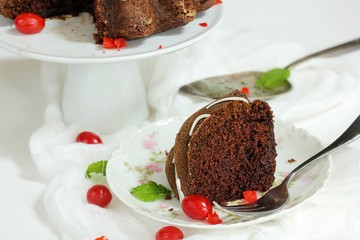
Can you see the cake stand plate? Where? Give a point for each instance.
(103, 88)
(70, 40)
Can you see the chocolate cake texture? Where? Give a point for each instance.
(224, 149)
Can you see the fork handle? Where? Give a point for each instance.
(350, 135)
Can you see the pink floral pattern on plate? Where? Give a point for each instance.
(155, 162)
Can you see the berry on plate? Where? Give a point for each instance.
(29, 23)
(196, 206)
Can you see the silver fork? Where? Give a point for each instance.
(276, 197)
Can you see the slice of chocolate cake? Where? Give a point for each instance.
(224, 149)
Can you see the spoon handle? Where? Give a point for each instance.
(334, 49)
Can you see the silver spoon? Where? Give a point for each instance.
(216, 87)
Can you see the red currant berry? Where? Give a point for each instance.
(29, 23)
(99, 195)
(102, 238)
(196, 206)
(213, 218)
(88, 138)
(169, 233)
(250, 196)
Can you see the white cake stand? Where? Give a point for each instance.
(103, 88)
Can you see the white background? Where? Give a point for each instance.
(313, 24)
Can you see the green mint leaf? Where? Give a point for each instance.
(273, 78)
(96, 167)
(150, 191)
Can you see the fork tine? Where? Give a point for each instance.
(243, 206)
(249, 210)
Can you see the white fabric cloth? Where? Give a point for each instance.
(319, 85)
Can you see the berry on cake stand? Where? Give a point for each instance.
(102, 88)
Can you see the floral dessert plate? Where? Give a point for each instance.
(70, 40)
(142, 158)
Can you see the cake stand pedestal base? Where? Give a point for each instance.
(104, 96)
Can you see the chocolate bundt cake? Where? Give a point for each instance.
(129, 19)
(224, 149)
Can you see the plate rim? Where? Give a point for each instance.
(201, 225)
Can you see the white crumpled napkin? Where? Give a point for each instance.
(317, 88)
